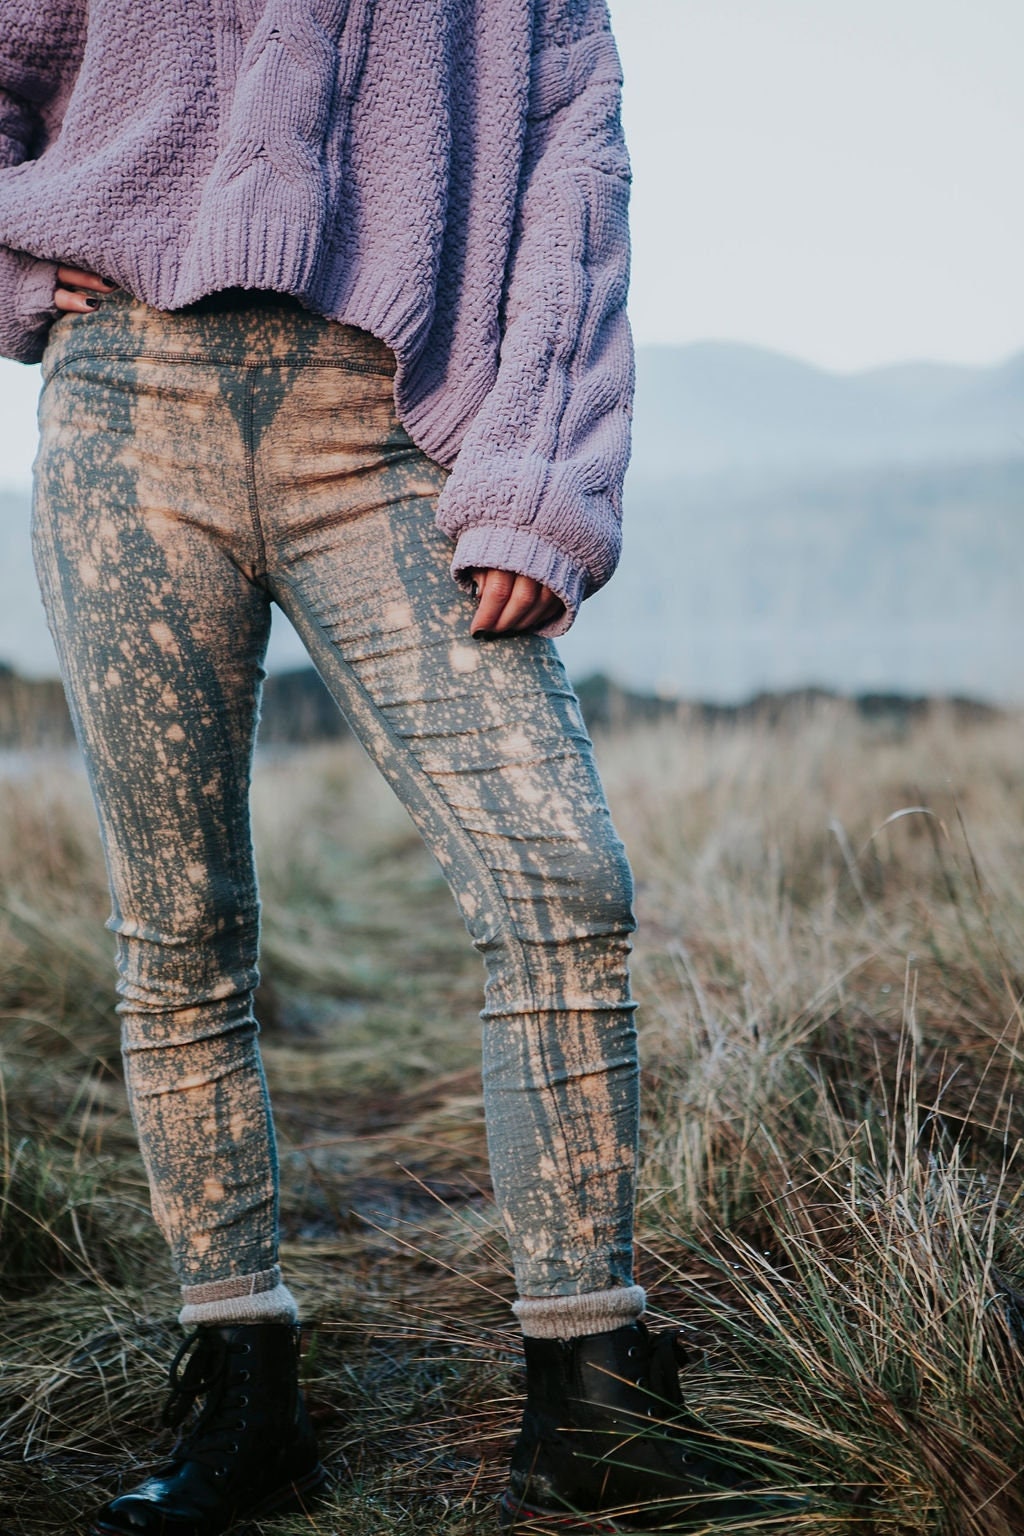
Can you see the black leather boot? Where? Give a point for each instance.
(607, 1443)
(250, 1452)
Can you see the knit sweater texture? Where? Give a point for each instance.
(447, 174)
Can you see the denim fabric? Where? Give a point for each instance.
(193, 467)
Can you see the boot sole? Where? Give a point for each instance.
(288, 1499)
(513, 1518)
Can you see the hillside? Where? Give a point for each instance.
(895, 578)
(717, 407)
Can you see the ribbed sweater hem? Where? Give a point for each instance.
(377, 301)
(438, 423)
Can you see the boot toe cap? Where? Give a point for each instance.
(147, 1511)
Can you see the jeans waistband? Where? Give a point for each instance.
(236, 326)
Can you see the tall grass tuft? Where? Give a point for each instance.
(830, 965)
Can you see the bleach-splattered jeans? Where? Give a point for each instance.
(194, 467)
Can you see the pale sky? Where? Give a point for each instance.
(836, 179)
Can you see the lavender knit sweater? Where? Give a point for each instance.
(448, 174)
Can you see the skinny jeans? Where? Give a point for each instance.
(195, 467)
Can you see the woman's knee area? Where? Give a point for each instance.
(186, 981)
(595, 891)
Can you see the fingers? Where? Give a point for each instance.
(79, 277)
(71, 278)
(495, 589)
(511, 604)
(546, 608)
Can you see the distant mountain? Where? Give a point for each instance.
(719, 407)
(863, 579)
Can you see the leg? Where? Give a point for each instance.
(485, 745)
(160, 634)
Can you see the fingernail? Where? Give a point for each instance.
(107, 282)
(93, 302)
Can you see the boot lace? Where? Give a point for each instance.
(201, 1368)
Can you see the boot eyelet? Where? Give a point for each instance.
(243, 1401)
(233, 1448)
(243, 1375)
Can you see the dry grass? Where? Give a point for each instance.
(830, 966)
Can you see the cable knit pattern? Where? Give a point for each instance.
(449, 175)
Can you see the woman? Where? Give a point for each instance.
(329, 298)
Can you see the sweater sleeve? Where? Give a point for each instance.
(40, 44)
(537, 485)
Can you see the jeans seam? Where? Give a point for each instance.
(252, 494)
(289, 360)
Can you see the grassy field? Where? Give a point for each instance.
(830, 963)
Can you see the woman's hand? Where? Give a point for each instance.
(507, 603)
(70, 278)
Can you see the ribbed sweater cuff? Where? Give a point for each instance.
(570, 1317)
(28, 313)
(36, 289)
(499, 547)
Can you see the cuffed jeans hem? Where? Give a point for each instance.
(256, 1298)
(570, 1317)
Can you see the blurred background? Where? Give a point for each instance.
(827, 486)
